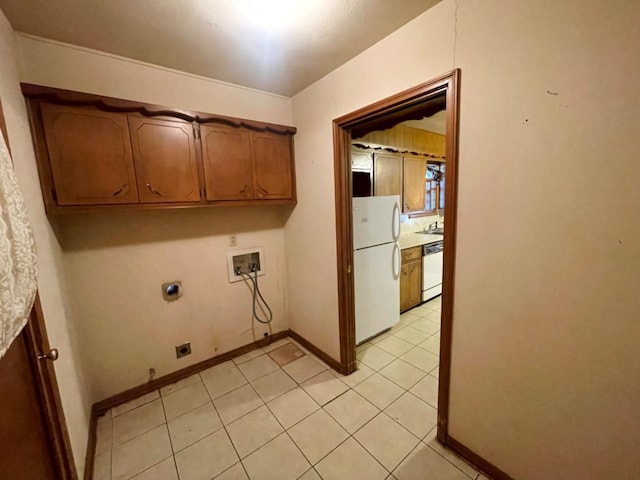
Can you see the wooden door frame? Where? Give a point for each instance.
(449, 85)
(46, 385)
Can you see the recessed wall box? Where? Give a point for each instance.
(245, 261)
(172, 290)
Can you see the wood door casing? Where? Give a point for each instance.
(414, 183)
(387, 174)
(271, 166)
(90, 154)
(226, 155)
(165, 160)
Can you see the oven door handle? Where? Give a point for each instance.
(396, 261)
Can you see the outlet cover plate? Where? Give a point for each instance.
(232, 253)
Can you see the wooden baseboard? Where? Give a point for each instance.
(487, 468)
(91, 444)
(325, 357)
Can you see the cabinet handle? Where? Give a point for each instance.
(263, 190)
(406, 206)
(153, 190)
(120, 190)
(244, 189)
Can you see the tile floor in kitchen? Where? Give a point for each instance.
(279, 413)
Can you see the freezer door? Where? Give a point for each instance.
(377, 289)
(376, 220)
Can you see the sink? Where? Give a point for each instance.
(433, 231)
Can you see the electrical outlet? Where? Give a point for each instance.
(183, 350)
(233, 241)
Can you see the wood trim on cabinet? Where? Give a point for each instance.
(447, 85)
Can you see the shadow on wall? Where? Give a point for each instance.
(113, 229)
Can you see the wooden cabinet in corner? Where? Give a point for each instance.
(98, 152)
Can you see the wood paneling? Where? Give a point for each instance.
(90, 155)
(407, 139)
(165, 160)
(414, 182)
(272, 166)
(387, 174)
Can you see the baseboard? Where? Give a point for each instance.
(91, 444)
(325, 357)
(487, 468)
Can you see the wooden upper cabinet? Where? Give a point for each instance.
(226, 155)
(165, 160)
(272, 166)
(90, 156)
(387, 174)
(414, 183)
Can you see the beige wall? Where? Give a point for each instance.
(51, 283)
(116, 263)
(546, 364)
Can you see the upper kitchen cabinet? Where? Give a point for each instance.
(387, 174)
(165, 159)
(98, 152)
(414, 184)
(89, 154)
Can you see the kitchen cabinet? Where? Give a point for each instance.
(272, 166)
(165, 159)
(90, 156)
(411, 278)
(361, 173)
(414, 183)
(387, 174)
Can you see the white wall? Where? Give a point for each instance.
(546, 364)
(51, 283)
(115, 263)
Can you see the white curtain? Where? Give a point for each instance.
(17, 255)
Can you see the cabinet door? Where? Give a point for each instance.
(386, 174)
(90, 155)
(414, 181)
(165, 160)
(404, 288)
(415, 283)
(272, 172)
(226, 154)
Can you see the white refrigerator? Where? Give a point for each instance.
(376, 228)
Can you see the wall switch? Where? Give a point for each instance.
(183, 350)
(233, 241)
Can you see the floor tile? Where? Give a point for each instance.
(317, 435)
(137, 422)
(279, 459)
(207, 458)
(248, 356)
(379, 391)
(375, 357)
(413, 414)
(258, 367)
(292, 407)
(126, 407)
(411, 335)
(185, 382)
(431, 344)
(402, 373)
(425, 325)
(102, 466)
(222, 379)
(379, 338)
(394, 345)
(193, 426)
(185, 399)
(351, 411)
(104, 436)
(435, 372)
(310, 475)
(362, 373)
(431, 441)
(324, 387)
(422, 459)
(303, 369)
(253, 430)
(427, 390)
(286, 354)
(234, 473)
(386, 440)
(425, 361)
(165, 470)
(350, 461)
(277, 344)
(434, 316)
(273, 385)
(137, 455)
(235, 404)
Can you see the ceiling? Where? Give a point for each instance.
(280, 49)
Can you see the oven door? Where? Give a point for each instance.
(431, 275)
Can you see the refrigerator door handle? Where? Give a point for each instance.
(396, 221)
(395, 262)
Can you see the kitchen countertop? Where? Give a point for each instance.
(408, 240)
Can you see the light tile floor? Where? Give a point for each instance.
(280, 413)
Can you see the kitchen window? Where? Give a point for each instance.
(434, 187)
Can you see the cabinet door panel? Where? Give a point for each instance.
(387, 174)
(415, 283)
(226, 153)
(414, 182)
(404, 288)
(272, 175)
(90, 154)
(165, 160)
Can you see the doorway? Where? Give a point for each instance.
(392, 110)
